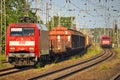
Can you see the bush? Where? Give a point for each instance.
(2, 57)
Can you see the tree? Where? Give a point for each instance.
(64, 21)
(15, 9)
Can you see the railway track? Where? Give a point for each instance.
(116, 77)
(4, 61)
(12, 70)
(1, 70)
(77, 67)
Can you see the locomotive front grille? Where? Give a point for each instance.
(21, 59)
(23, 55)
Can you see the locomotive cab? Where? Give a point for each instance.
(105, 41)
(24, 43)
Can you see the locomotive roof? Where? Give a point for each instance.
(42, 27)
(39, 26)
(106, 36)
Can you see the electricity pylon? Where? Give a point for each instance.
(2, 26)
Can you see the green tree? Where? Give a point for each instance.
(64, 21)
(15, 9)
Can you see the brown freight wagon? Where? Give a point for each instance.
(65, 40)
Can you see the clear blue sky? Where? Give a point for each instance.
(89, 13)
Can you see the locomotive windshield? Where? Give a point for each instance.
(22, 32)
(106, 38)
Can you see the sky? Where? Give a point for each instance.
(88, 13)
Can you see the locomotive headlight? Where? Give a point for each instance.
(12, 49)
(31, 49)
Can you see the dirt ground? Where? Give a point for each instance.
(103, 71)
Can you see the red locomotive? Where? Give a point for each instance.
(26, 42)
(105, 41)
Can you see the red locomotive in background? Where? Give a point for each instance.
(105, 41)
(29, 43)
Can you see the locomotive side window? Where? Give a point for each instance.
(22, 32)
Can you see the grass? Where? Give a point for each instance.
(93, 50)
(104, 67)
(2, 65)
(2, 57)
(39, 65)
(74, 57)
(118, 50)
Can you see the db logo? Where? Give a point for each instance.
(22, 42)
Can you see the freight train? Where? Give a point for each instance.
(105, 41)
(29, 43)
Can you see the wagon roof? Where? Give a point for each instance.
(57, 28)
(62, 28)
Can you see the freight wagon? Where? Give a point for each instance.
(66, 40)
